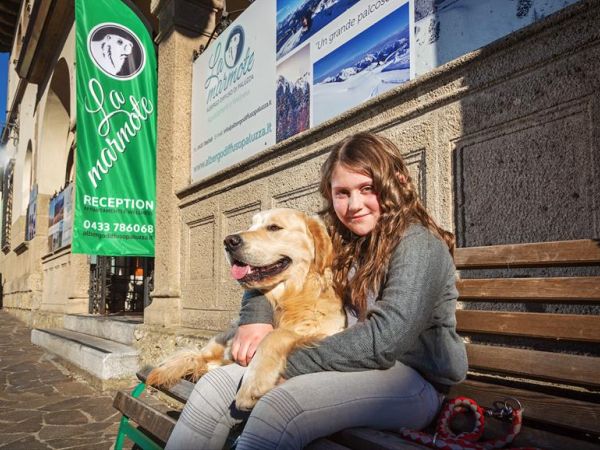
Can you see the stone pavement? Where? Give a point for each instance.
(41, 405)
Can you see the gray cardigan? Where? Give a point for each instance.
(412, 321)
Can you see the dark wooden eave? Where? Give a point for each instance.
(9, 14)
(48, 25)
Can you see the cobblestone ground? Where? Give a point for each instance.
(41, 405)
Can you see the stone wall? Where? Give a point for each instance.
(21, 267)
(503, 144)
(39, 287)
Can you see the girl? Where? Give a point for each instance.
(400, 352)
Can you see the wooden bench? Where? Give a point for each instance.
(549, 361)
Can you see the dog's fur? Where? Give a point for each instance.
(286, 255)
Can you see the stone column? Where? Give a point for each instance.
(184, 25)
(79, 297)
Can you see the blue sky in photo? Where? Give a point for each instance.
(3, 85)
(361, 44)
(285, 7)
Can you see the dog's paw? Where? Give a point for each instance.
(252, 389)
(245, 401)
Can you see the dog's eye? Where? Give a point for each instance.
(274, 227)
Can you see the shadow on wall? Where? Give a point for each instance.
(525, 165)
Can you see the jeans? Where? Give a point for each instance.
(304, 408)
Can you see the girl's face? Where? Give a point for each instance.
(354, 200)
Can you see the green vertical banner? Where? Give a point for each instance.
(115, 183)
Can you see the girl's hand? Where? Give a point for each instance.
(246, 341)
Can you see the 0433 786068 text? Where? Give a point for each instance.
(118, 227)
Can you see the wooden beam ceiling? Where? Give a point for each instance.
(9, 13)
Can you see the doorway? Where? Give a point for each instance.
(120, 285)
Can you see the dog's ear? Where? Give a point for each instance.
(323, 247)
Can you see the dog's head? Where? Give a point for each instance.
(281, 246)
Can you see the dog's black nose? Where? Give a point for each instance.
(233, 242)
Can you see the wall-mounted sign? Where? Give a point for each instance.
(56, 214)
(115, 199)
(31, 219)
(60, 219)
(287, 65)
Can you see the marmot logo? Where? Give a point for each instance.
(234, 46)
(116, 51)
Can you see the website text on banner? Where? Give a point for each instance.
(115, 200)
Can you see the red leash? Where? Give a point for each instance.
(445, 439)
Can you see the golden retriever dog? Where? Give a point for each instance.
(287, 256)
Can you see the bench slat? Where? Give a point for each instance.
(541, 254)
(580, 289)
(546, 365)
(369, 439)
(574, 327)
(147, 417)
(324, 444)
(532, 437)
(180, 392)
(143, 374)
(543, 408)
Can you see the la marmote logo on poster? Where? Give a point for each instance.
(234, 47)
(227, 65)
(116, 51)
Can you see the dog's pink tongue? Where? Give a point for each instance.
(239, 272)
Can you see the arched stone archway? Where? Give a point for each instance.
(70, 170)
(28, 177)
(53, 145)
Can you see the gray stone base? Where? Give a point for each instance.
(103, 359)
(119, 328)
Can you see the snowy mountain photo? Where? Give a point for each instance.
(298, 20)
(373, 62)
(292, 98)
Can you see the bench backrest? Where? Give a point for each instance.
(556, 353)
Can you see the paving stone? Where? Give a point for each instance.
(43, 408)
(67, 443)
(99, 427)
(20, 367)
(65, 403)
(36, 389)
(113, 429)
(32, 425)
(107, 445)
(28, 443)
(51, 378)
(8, 405)
(74, 417)
(99, 409)
(17, 416)
(37, 402)
(6, 397)
(49, 432)
(73, 388)
(7, 438)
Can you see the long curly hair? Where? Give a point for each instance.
(368, 256)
